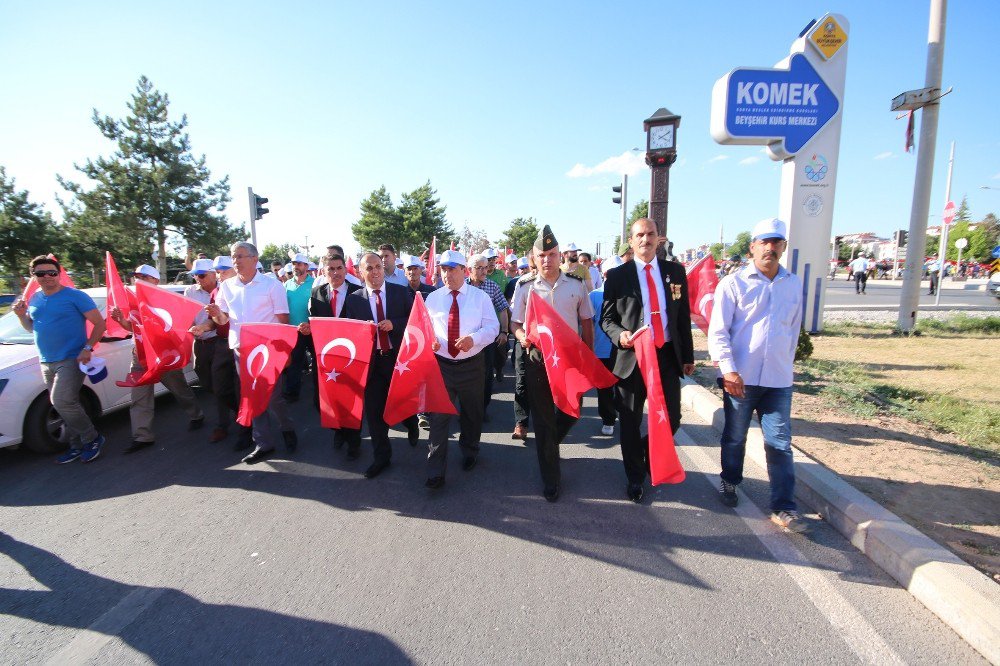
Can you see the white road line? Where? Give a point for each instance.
(86, 644)
(856, 631)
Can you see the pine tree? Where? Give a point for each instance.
(520, 235)
(26, 230)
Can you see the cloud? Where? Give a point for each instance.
(629, 163)
(718, 158)
(884, 156)
(996, 177)
(747, 161)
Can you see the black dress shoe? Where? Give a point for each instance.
(435, 482)
(257, 455)
(291, 440)
(551, 493)
(138, 446)
(634, 492)
(469, 462)
(353, 453)
(376, 468)
(413, 434)
(196, 424)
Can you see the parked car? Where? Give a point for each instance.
(993, 285)
(26, 415)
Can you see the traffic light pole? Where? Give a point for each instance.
(253, 216)
(624, 211)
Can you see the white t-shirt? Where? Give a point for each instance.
(259, 301)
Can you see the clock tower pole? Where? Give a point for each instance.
(661, 153)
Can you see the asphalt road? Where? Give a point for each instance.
(840, 292)
(180, 554)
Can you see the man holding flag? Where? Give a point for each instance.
(753, 336)
(568, 296)
(646, 291)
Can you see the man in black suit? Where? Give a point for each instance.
(327, 300)
(653, 292)
(388, 305)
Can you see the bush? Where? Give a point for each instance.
(804, 349)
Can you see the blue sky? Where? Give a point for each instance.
(317, 104)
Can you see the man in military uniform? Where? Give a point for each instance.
(569, 297)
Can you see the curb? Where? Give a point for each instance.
(965, 599)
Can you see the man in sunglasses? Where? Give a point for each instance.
(57, 316)
(207, 343)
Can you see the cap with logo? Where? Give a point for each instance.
(202, 266)
(546, 240)
(222, 263)
(451, 258)
(298, 258)
(769, 228)
(412, 261)
(289, 268)
(510, 258)
(148, 271)
(522, 263)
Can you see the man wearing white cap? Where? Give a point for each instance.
(571, 265)
(143, 404)
(494, 272)
(510, 268)
(753, 335)
(465, 324)
(298, 291)
(414, 276)
(207, 343)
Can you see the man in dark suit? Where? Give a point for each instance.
(388, 305)
(653, 292)
(327, 300)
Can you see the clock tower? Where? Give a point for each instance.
(661, 153)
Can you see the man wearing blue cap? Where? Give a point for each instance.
(752, 336)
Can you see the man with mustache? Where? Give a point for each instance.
(753, 336)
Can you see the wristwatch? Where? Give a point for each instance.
(88, 348)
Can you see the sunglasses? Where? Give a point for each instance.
(45, 273)
(200, 276)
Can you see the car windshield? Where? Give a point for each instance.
(12, 333)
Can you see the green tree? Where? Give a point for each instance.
(472, 240)
(640, 210)
(273, 252)
(26, 231)
(741, 246)
(962, 214)
(151, 185)
(716, 250)
(991, 230)
(958, 229)
(379, 222)
(520, 235)
(409, 226)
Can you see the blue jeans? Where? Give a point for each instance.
(774, 408)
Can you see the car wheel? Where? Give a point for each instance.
(44, 429)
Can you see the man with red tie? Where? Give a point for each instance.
(646, 291)
(465, 324)
(388, 305)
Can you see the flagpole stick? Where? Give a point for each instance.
(943, 247)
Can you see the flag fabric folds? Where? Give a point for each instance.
(431, 263)
(264, 353)
(164, 320)
(117, 298)
(571, 366)
(702, 281)
(908, 144)
(343, 350)
(417, 386)
(664, 465)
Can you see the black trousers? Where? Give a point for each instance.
(550, 424)
(520, 387)
(296, 362)
(225, 381)
(860, 281)
(489, 356)
(204, 360)
(606, 399)
(630, 397)
(464, 382)
(376, 392)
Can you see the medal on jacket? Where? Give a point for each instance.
(675, 291)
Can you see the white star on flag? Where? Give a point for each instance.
(401, 366)
(332, 375)
(555, 360)
(663, 416)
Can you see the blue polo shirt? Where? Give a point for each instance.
(298, 300)
(58, 322)
(602, 343)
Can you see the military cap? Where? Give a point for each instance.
(546, 239)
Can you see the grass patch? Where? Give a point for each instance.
(961, 323)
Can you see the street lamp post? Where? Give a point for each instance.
(661, 153)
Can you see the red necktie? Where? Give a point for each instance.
(383, 337)
(333, 300)
(453, 332)
(655, 322)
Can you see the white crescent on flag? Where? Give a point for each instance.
(411, 333)
(168, 321)
(259, 350)
(703, 304)
(173, 355)
(545, 330)
(340, 342)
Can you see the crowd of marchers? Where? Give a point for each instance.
(478, 307)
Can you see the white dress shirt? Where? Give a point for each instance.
(341, 297)
(661, 297)
(476, 317)
(196, 293)
(371, 303)
(259, 301)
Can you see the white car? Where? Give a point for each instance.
(26, 415)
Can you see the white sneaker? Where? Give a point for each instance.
(607, 430)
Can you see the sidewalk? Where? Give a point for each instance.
(961, 596)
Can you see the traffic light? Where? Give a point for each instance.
(902, 237)
(257, 202)
(617, 189)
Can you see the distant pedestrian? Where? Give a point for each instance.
(753, 335)
(859, 270)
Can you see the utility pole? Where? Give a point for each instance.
(912, 273)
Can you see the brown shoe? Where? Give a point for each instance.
(217, 435)
(520, 432)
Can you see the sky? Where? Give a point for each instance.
(515, 109)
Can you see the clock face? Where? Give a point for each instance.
(661, 138)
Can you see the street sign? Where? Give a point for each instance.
(949, 212)
(962, 243)
(828, 37)
(780, 106)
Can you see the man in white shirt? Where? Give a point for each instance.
(253, 298)
(465, 323)
(859, 270)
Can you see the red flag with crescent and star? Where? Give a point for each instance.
(702, 281)
(417, 386)
(164, 320)
(264, 353)
(664, 466)
(431, 263)
(117, 297)
(570, 364)
(343, 354)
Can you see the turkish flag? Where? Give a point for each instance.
(343, 354)
(571, 365)
(417, 386)
(64, 279)
(117, 298)
(164, 319)
(431, 263)
(350, 266)
(664, 466)
(264, 353)
(702, 281)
